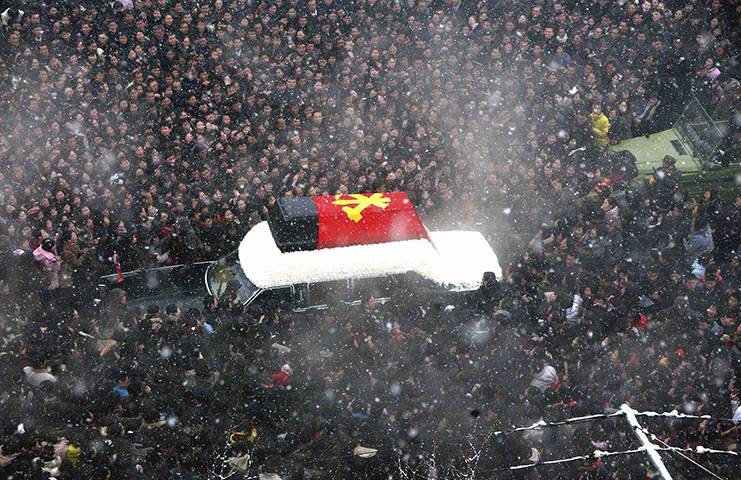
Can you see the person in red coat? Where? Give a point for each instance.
(282, 378)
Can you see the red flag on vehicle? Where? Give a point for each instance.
(361, 219)
(345, 220)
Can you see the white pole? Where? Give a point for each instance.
(653, 455)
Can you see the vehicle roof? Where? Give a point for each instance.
(649, 152)
(457, 261)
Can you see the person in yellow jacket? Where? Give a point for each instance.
(73, 454)
(600, 127)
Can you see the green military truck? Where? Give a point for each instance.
(706, 150)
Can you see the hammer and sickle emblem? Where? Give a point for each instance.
(361, 202)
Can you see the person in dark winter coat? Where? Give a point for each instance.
(699, 241)
(486, 298)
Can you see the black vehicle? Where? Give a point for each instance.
(260, 274)
(157, 285)
(343, 293)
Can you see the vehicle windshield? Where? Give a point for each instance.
(227, 272)
(704, 132)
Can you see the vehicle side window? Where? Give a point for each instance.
(382, 287)
(413, 280)
(329, 293)
(275, 297)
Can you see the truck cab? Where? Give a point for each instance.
(704, 145)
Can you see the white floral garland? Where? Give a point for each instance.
(457, 261)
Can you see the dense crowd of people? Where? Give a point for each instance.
(147, 133)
